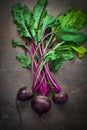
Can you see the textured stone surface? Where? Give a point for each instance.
(72, 76)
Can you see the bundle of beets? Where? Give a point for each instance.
(49, 40)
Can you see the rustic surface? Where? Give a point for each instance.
(72, 76)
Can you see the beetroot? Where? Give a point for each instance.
(41, 104)
(24, 94)
(60, 98)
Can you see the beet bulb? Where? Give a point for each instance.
(24, 94)
(60, 97)
(41, 104)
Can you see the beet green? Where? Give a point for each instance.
(50, 40)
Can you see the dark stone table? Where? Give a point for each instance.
(72, 77)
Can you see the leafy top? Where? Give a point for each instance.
(33, 24)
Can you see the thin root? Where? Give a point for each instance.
(19, 113)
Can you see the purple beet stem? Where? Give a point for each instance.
(39, 81)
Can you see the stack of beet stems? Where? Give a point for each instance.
(42, 78)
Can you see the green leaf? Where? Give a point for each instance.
(25, 62)
(17, 43)
(80, 50)
(67, 33)
(38, 11)
(73, 17)
(48, 20)
(37, 15)
(61, 56)
(64, 54)
(55, 64)
(64, 47)
(67, 55)
(50, 55)
(21, 16)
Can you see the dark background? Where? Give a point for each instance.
(72, 77)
